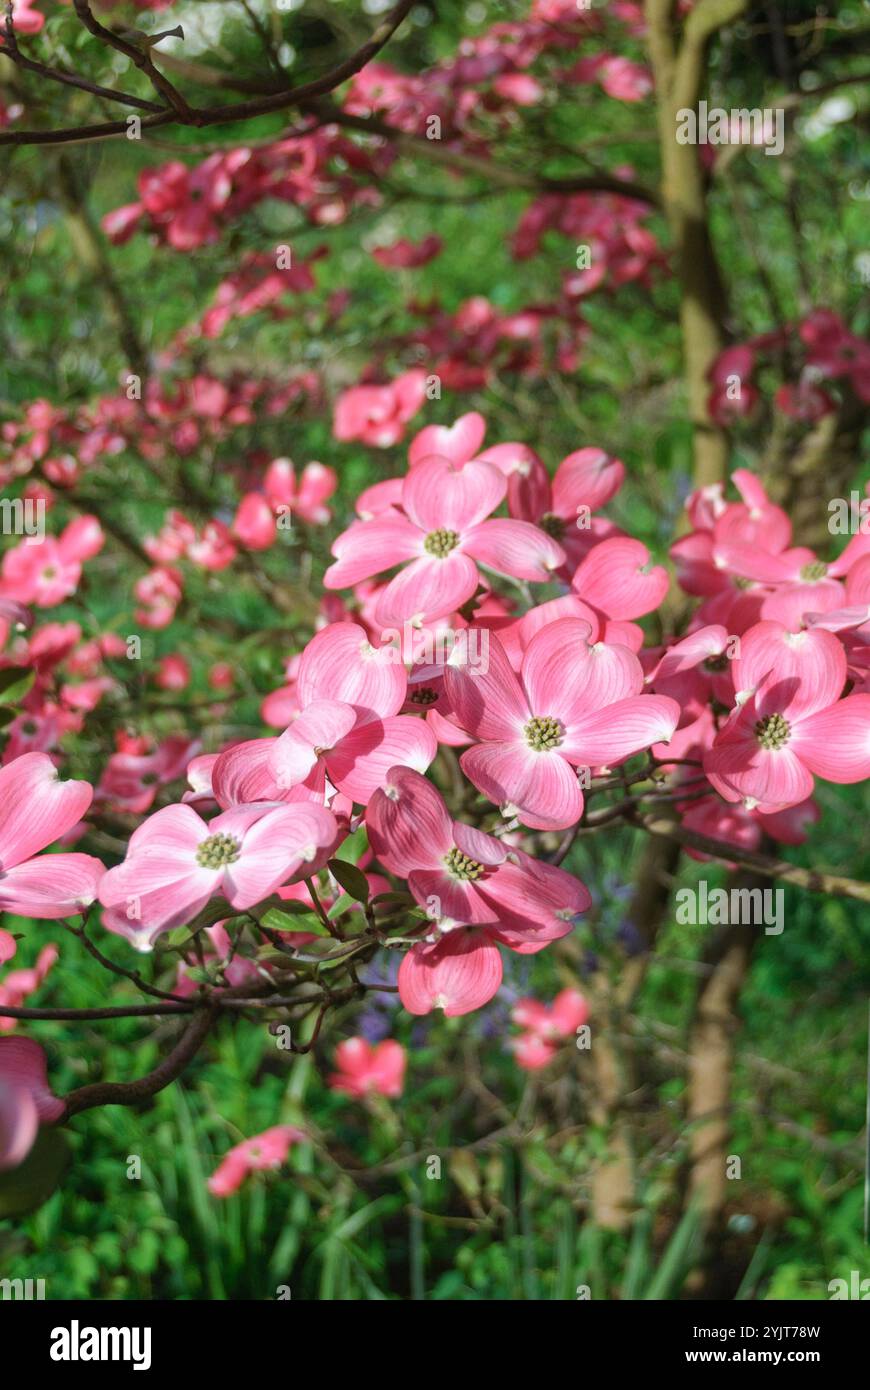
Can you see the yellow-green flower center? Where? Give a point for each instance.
(816, 569)
(460, 866)
(424, 695)
(441, 542)
(218, 850)
(716, 663)
(772, 731)
(543, 733)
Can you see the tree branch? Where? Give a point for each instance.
(132, 1092)
(213, 115)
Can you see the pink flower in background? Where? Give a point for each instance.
(25, 19)
(25, 1099)
(546, 1026)
(36, 809)
(572, 705)
(445, 534)
(625, 80)
(47, 571)
(18, 985)
(176, 863)
(133, 776)
(304, 497)
(254, 523)
(364, 1068)
(264, 1153)
(173, 672)
(8, 946)
(406, 255)
(377, 415)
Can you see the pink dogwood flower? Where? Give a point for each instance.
(572, 705)
(36, 809)
(563, 507)
(349, 728)
(265, 1152)
(378, 415)
(44, 572)
(444, 532)
(790, 723)
(176, 863)
(477, 893)
(364, 1069)
(304, 498)
(546, 1026)
(26, 1101)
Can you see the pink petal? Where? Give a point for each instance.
(541, 787)
(274, 848)
(588, 477)
(367, 548)
(407, 822)
(359, 764)
(458, 442)
(427, 589)
(341, 664)
(458, 974)
(835, 742)
(617, 577)
(241, 774)
(171, 834)
(319, 727)
(354, 1056)
(8, 946)
(691, 651)
(490, 703)
(515, 548)
(35, 807)
(616, 732)
(19, 1124)
(438, 495)
(536, 901)
(566, 678)
(807, 670)
(54, 885)
(23, 1065)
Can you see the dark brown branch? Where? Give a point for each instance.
(133, 1092)
(214, 115)
(95, 1015)
(140, 57)
(69, 79)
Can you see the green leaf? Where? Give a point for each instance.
(352, 879)
(213, 912)
(353, 847)
(292, 920)
(393, 899)
(15, 681)
(26, 1187)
